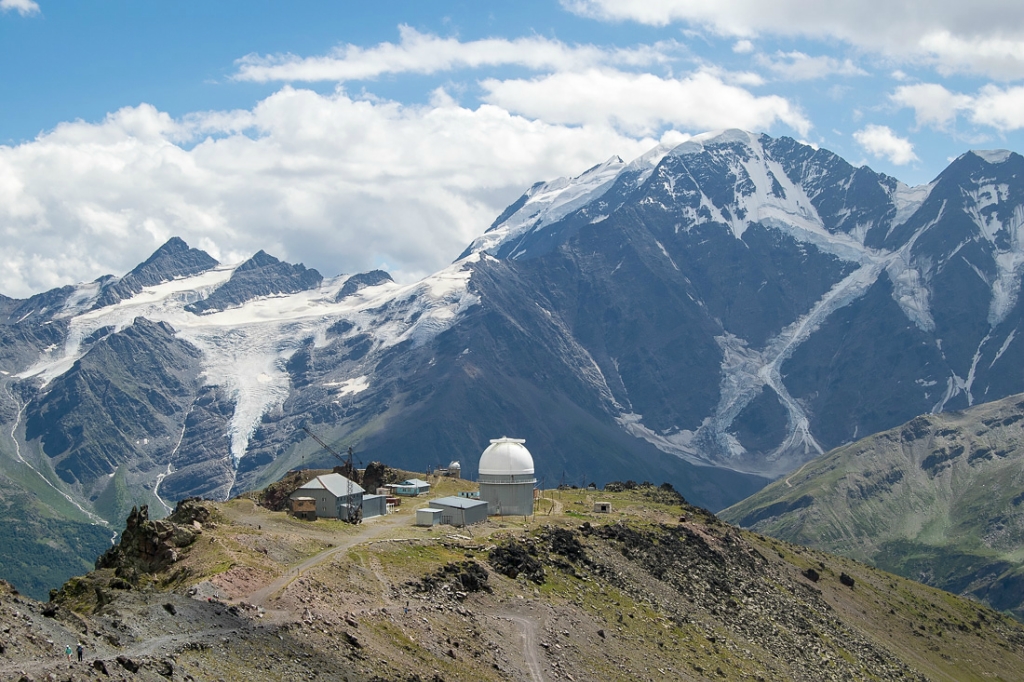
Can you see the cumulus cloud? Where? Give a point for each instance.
(22, 7)
(425, 53)
(882, 143)
(797, 66)
(935, 106)
(985, 36)
(639, 104)
(743, 47)
(339, 183)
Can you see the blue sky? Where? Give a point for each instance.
(351, 136)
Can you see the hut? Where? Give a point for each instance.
(603, 507)
(303, 508)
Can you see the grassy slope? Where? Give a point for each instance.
(940, 499)
(722, 603)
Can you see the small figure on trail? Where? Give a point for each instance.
(406, 608)
(68, 652)
(81, 651)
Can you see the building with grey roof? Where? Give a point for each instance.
(460, 511)
(336, 497)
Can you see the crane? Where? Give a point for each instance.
(348, 470)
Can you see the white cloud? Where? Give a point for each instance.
(341, 184)
(22, 7)
(640, 104)
(983, 36)
(939, 108)
(1001, 108)
(743, 47)
(425, 54)
(797, 66)
(933, 104)
(881, 142)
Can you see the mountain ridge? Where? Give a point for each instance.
(939, 499)
(710, 315)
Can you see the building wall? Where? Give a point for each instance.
(346, 503)
(507, 499)
(374, 505)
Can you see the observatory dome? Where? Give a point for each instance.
(506, 457)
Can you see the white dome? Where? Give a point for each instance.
(455, 465)
(506, 457)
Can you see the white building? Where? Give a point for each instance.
(507, 478)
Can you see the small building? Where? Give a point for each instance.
(603, 507)
(411, 487)
(374, 505)
(471, 494)
(507, 478)
(334, 496)
(428, 516)
(454, 470)
(460, 511)
(303, 508)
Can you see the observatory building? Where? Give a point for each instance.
(507, 478)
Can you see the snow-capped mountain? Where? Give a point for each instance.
(711, 315)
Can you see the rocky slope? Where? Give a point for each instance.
(939, 499)
(660, 590)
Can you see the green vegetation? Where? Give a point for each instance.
(939, 500)
(38, 554)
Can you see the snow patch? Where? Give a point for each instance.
(1002, 349)
(349, 386)
(994, 156)
(907, 200)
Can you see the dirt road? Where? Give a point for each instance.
(528, 631)
(369, 530)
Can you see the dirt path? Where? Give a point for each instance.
(528, 631)
(790, 485)
(368, 531)
(150, 647)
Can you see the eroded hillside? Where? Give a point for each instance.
(655, 589)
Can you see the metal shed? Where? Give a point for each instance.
(428, 516)
(374, 505)
(461, 511)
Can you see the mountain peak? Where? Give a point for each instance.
(697, 143)
(993, 156)
(261, 275)
(172, 260)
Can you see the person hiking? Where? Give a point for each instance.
(81, 650)
(67, 652)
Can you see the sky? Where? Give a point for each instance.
(352, 136)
